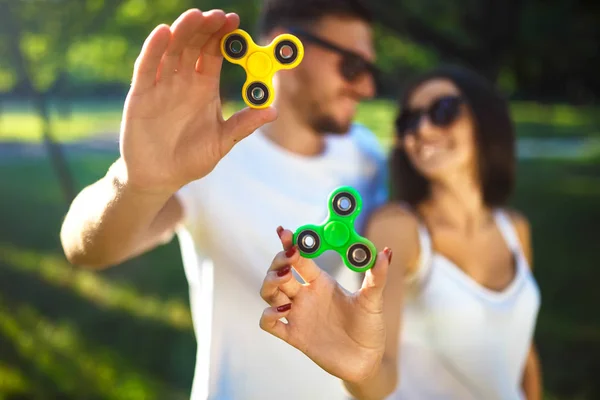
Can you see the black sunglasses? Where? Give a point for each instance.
(352, 64)
(442, 113)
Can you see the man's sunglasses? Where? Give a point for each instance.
(352, 64)
(441, 113)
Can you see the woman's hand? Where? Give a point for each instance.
(342, 332)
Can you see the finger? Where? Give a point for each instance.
(182, 31)
(288, 284)
(279, 286)
(371, 292)
(145, 69)
(280, 274)
(287, 238)
(270, 321)
(243, 123)
(211, 60)
(211, 22)
(306, 268)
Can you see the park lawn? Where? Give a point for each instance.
(97, 117)
(126, 332)
(122, 333)
(19, 122)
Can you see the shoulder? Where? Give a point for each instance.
(520, 222)
(394, 215)
(523, 229)
(367, 142)
(396, 226)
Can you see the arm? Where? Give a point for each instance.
(110, 221)
(532, 374)
(392, 226)
(166, 141)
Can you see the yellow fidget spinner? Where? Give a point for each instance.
(261, 63)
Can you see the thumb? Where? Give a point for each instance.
(244, 122)
(375, 280)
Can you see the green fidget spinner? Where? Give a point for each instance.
(337, 232)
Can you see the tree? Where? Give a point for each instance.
(37, 37)
(547, 49)
(479, 34)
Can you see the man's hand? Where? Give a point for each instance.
(343, 333)
(173, 131)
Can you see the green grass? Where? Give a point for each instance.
(126, 332)
(122, 333)
(19, 122)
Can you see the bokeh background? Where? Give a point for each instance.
(126, 332)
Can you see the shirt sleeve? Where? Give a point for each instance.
(192, 199)
(376, 189)
(381, 182)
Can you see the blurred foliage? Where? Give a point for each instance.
(123, 333)
(37, 36)
(533, 49)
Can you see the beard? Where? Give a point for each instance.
(325, 124)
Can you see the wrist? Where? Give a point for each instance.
(120, 178)
(368, 379)
(377, 385)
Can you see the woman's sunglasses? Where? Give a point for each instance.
(351, 66)
(441, 113)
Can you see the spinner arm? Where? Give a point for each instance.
(261, 63)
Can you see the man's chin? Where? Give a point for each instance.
(329, 126)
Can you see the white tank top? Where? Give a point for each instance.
(460, 340)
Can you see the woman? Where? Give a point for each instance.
(452, 315)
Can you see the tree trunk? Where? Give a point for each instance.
(57, 158)
(12, 27)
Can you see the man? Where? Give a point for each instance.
(173, 176)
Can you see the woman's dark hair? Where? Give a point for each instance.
(494, 140)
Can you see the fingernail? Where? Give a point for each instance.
(279, 231)
(284, 307)
(388, 252)
(291, 251)
(284, 271)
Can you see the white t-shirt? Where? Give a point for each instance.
(462, 340)
(228, 240)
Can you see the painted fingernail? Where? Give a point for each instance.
(388, 252)
(279, 231)
(291, 251)
(284, 271)
(284, 307)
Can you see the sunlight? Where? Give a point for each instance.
(57, 350)
(20, 122)
(89, 285)
(12, 380)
